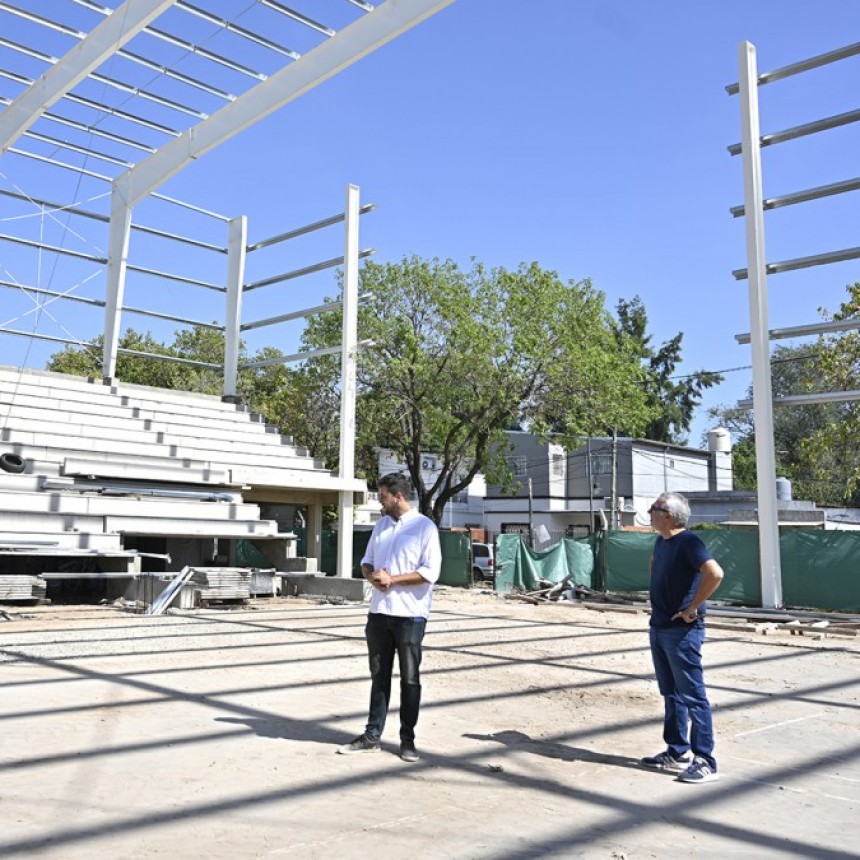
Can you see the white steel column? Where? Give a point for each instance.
(349, 344)
(768, 515)
(237, 244)
(120, 228)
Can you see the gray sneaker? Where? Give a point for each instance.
(408, 752)
(666, 761)
(361, 744)
(699, 771)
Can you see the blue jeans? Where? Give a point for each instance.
(387, 635)
(677, 655)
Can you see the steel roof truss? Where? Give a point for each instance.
(93, 50)
(345, 48)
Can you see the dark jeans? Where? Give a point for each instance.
(677, 655)
(387, 635)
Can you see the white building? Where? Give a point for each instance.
(605, 481)
(465, 510)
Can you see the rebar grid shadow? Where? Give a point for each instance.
(605, 677)
(321, 628)
(270, 627)
(624, 815)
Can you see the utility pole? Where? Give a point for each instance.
(531, 528)
(614, 497)
(590, 485)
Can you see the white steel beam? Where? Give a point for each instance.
(120, 229)
(768, 517)
(349, 345)
(236, 253)
(121, 26)
(323, 62)
(806, 330)
(809, 399)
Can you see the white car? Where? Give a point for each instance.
(483, 563)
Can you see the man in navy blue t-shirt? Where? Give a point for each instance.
(683, 577)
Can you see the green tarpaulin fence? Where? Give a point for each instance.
(628, 554)
(519, 567)
(820, 569)
(328, 563)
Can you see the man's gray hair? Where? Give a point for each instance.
(678, 507)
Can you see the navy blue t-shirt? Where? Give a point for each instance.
(675, 576)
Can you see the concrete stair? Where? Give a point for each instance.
(55, 541)
(185, 435)
(106, 461)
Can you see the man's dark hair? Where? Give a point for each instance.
(396, 483)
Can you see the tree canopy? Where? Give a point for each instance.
(829, 450)
(459, 356)
(815, 445)
(198, 344)
(793, 371)
(456, 357)
(672, 399)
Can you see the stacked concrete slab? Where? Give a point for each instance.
(24, 587)
(88, 465)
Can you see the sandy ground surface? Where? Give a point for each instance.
(213, 734)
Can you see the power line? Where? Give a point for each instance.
(808, 357)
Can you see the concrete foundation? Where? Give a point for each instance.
(300, 564)
(294, 584)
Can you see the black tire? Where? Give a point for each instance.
(477, 574)
(12, 463)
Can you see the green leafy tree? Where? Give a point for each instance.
(458, 357)
(197, 344)
(815, 472)
(829, 450)
(304, 401)
(672, 399)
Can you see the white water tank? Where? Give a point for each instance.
(719, 440)
(783, 490)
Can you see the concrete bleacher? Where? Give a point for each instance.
(102, 462)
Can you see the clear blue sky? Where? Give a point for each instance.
(588, 135)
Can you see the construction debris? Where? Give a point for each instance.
(166, 597)
(548, 591)
(765, 622)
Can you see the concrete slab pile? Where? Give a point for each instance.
(22, 588)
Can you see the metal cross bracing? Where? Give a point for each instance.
(102, 103)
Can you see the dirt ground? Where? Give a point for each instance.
(213, 733)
